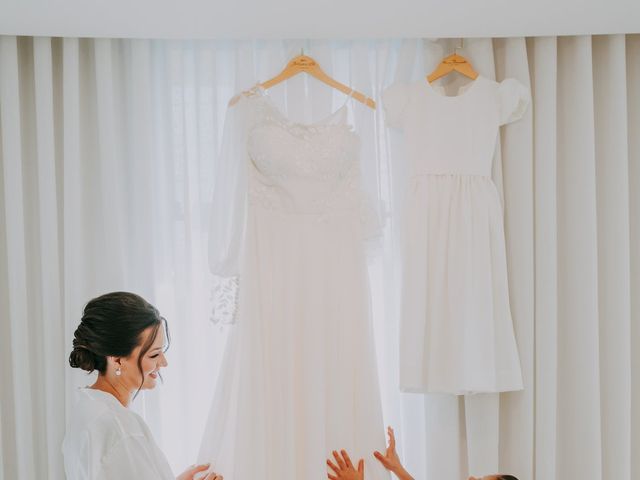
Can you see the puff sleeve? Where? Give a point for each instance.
(395, 100)
(514, 99)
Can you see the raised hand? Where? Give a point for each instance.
(343, 469)
(390, 459)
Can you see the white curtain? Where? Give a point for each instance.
(108, 152)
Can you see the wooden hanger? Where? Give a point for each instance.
(303, 63)
(452, 63)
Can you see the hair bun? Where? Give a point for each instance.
(82, 358)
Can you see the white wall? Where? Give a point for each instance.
(316, 19)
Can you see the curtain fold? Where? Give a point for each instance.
(109, 154)
(543, 61)
(19, 407)
(614, 249)
(633, 182)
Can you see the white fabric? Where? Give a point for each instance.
(456, 332)
(300, 376)
(568, 171)
(106, 441)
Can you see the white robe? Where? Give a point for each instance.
(106, 441)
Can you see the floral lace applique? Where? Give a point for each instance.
(224, 300)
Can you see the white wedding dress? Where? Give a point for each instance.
(299, 375)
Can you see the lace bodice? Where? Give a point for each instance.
(269, 162)
(302, 168)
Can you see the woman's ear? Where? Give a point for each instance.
(114, 362)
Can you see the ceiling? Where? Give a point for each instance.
(195, 19)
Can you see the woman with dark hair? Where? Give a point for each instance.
(124, 338)
(343, 468)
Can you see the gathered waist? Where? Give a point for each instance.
(454, 185)
(350, 211)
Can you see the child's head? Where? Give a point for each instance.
(495, 477)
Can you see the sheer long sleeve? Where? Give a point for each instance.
(229, 213)
(229, 204)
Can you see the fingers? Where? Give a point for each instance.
(361, 466)
(382, 459)
(333, 466)
(392, 438)
(331, 477)
(339, 460)
(346, 458)
(199, 468)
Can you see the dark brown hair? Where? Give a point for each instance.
(508, 477)
(112, 326)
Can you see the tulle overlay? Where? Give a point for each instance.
(299, 378)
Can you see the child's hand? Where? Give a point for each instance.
(344, 470)
(390, 459)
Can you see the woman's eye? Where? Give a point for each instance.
(154, 356)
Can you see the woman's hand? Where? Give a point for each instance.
(190, 473)
(390, 459)
(343, 469)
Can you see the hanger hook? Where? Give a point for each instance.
(460, 47)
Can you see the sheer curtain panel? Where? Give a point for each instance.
(109, 152)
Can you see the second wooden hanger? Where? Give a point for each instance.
(453, 63)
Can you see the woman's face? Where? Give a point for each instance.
(152, 362)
